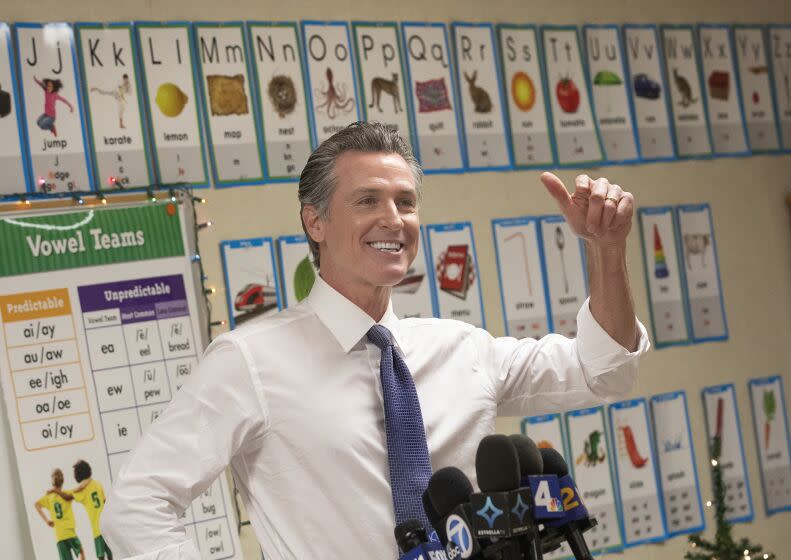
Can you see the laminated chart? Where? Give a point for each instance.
(296, 268)
(780, 49)
(99, 331)
(414, 296)
(13, 155)
(251, 285)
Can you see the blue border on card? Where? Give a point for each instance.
(543, 419)
(24, 145)
(429, 272)
(759, 381)
(632, 403)
(730, 388)
(225, 246)
(785, 143)
(283, 240)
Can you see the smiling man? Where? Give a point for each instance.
(333, 413)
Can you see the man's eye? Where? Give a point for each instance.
(367, 201)
(408, 202)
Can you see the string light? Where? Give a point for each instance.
(172, 194)
(714, 462)
(218, 323)
(195, 257)
(708, 504)
(199, 200)
(114, 182)
(101, 198)
(77, 199)
(152, 197)
(210, 291)
(204, 225)
(24, 200)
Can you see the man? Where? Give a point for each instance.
(315, 407)
(61, 518)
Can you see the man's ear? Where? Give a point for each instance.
(314, 225)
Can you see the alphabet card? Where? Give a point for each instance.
(413, 296)
(518, 249)
(723, 98)
(664, 276)
(649, 92)
(678, 471)
(49, 84)
(636, 472)
(755, 85)
(611, 100)
(332, 80)
(780, 47)
(573, 121)
(13, 158)
(251, 288)
(282, 98)
(433, 96)
(109, 64)
(229, 106)
(173, 105)
(547, 432)
(686, 92)
(481, 96)
(296, 268)
(701, 272)
(521, 67)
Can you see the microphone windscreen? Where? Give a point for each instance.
(554, 463)
(530, 461)
(497, 464)
(447, 488)
(410, 534)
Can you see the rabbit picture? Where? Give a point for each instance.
(480, 98)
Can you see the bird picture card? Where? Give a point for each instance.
(251, 286)
(780, 49)
(297, 271)
(13, 152)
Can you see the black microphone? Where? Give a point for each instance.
(446, 504)
(575, 520)
(414, 544)
(545, 488)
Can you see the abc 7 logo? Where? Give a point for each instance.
(459, 533)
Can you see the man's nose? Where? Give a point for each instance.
(390, 217)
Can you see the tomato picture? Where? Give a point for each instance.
(568, 95)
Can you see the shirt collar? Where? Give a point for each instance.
(347, 322)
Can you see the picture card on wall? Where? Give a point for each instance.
(755, 85)
(611, 100)
(780, 49)
(591, 454)
(770, 419)
(434, 100)
(281, 96)
(383, 81)
(686, 91)
(413, 297)
(647, 81)
(546, 431)
(723, 96)
(664, 276)
(456, 282)
(296, 269)
(576, 136)
(229, 106)
(250, 279)
(480, 91)
(331, 77)
(701, 272)
(57, 140)
(13, 149)
(517, 246)
(522, 76)
(678, 473)
(565, 272)
(171, 94)
(109, 63)
(640, 504)
(723, 428)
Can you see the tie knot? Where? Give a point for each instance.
(380, 336)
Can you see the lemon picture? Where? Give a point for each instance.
(171, 100)
(523, 91)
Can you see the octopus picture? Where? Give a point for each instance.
(333, 101)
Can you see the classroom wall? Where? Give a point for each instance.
(747, 196)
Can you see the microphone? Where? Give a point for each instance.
(445, 502)
(575, 520)
(545, 488)
(414, 544)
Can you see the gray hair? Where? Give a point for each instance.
(317, 182)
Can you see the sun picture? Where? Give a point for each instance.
(523, 91)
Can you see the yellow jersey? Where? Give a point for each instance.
(61, 514)
(92, 499)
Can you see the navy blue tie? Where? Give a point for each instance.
(407, 451)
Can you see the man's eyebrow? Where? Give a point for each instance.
(375, 191)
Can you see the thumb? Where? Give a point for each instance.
(557, 189)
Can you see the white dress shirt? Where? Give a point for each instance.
(293, 402)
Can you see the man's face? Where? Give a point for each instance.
(372, 232)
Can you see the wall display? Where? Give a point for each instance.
(296, 269)
(755, 85)
(523, 289)
(282, 97)
(780, 49)
(50, 89)
(574, 126)
(611, 99)
(229, 106)
(677, 467)
(591, 454)
(434, 99)
(522, 76)
(170, 83)
(639, 499)
(99, 331)
(456, 281)
(564, 266)
(770, 419)
(649, 88)
(664, 276)
(702, 274)
(686, 92)
(723, 95)
(109, 64)
(723, 424)
(332, 79)
(481, 95)
(413, 296)
(251, 286)
(13, 156)
(383, 84)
